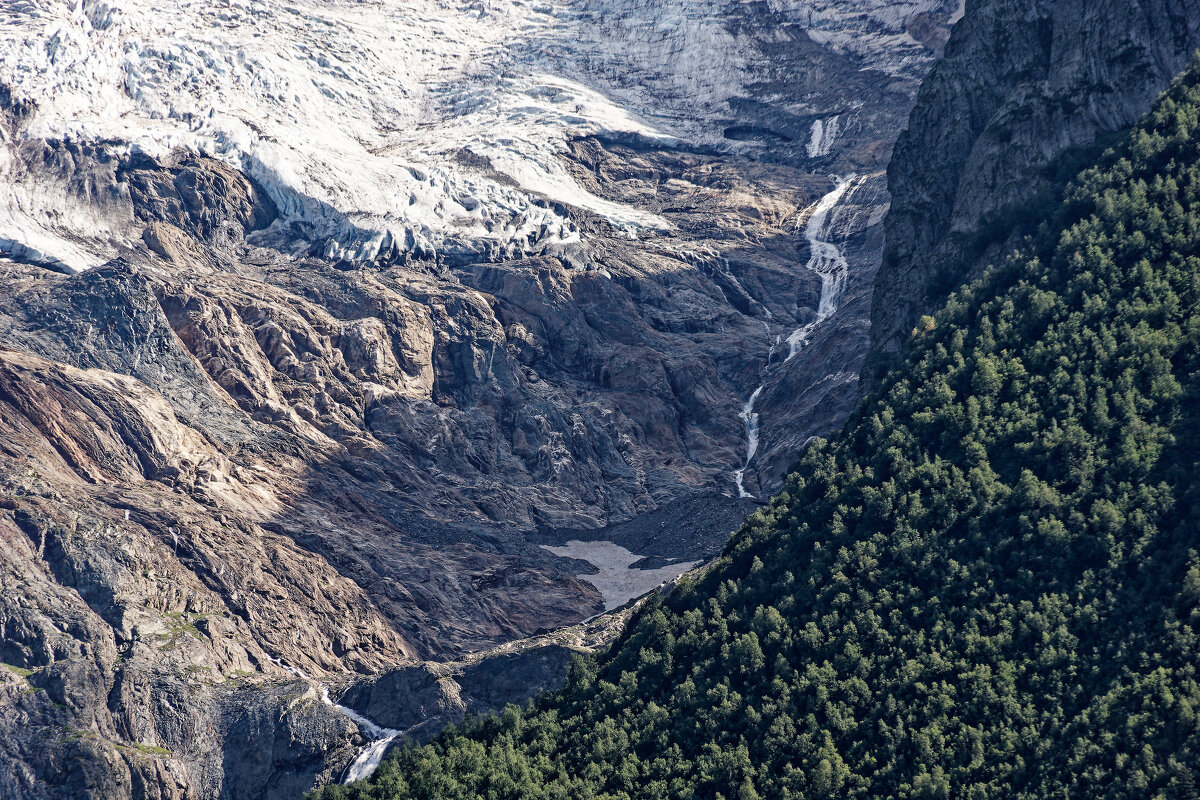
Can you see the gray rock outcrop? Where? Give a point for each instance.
(1028, 93)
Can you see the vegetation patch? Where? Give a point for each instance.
(145, 749)
(180, 624)
(24, 673)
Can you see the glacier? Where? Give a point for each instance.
(387, 127)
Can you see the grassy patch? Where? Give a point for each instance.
(146, 749)
(181, 623)
(24, 673)
(77, 734)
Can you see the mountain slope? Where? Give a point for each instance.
(1028, 93)
(988, 586)
(323, 334)
(674, 147)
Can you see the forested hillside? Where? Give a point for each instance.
(987, 587)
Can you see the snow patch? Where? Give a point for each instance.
(617, 581)
(824, 134)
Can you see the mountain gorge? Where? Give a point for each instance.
(986, 586)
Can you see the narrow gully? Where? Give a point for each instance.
(827, 260)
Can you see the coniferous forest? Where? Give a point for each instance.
(987, 587)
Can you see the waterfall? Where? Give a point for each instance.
(381, 737)
(828, 261)
(749, 416)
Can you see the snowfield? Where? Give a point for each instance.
(388, 126)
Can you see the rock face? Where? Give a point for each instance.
(287, 423)
(1027, 93)
(421, 700)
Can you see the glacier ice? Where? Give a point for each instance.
(387, 126)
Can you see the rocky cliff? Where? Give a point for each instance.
(1027, 93)
(291, 397)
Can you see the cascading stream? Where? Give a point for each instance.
(750, 417)
(381, 737)
(828, 261)
(372, 754)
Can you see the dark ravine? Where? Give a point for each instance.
(1028, 93)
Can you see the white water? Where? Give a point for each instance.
(372, 754)
(368, 760)
(750, 417)
(827, 260)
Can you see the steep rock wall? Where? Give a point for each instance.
(1027, 92)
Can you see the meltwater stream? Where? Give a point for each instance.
(372, 754)
(828, 261)
(380, 736)
(750, 417)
